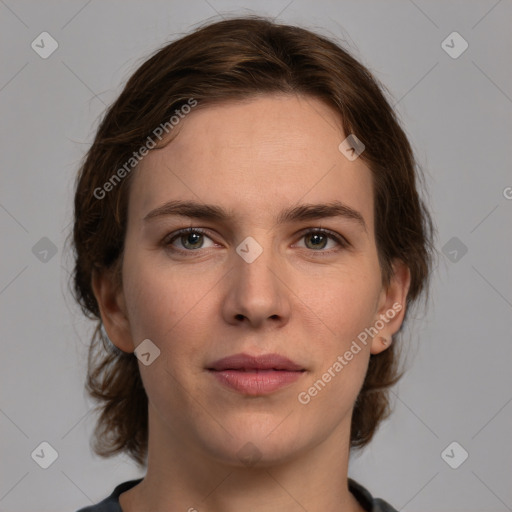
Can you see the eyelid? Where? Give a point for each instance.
(340, 239)
(169, 238)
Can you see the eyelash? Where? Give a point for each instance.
(169, 239)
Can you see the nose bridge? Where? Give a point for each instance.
(256, 264)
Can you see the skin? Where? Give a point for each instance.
(304, 301)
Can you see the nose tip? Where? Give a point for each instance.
(256, 293)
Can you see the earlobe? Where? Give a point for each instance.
(392, 307)
(111, 303)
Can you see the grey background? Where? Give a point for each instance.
(457, 113)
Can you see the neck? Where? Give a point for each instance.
(180, 477)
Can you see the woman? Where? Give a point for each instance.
(249, 236)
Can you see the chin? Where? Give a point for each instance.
(257, 443)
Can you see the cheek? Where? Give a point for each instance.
(345, 300)
(150, 295)
(164, 304)
(346, 305)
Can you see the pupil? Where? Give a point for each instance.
(188, 238)
(317, 239)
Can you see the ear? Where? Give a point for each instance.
(112, 306)
(391, 310)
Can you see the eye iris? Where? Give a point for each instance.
(319, 240)
(187, 238)
(194, 240)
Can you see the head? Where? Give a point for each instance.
(248, 116)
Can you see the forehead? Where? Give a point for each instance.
(254, 157)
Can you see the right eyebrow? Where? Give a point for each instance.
(190, 209)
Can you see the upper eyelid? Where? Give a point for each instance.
(338, 237)
(183, 231)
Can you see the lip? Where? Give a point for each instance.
(248, 362)
(256, 375)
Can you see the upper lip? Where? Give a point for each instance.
(261, 362)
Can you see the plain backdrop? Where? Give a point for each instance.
(457, 111)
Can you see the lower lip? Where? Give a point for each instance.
(256, 382)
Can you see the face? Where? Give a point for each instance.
(252, 280)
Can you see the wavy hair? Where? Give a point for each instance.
(222, 61)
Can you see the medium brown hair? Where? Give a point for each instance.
(222, 61)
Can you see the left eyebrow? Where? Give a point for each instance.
(320, 211)
(298, 213)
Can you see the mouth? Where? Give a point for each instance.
(256, 375)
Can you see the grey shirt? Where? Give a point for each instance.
(367, 501)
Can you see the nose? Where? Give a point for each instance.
(257, 294)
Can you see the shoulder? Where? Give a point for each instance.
(111, 503)
(367, 501)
